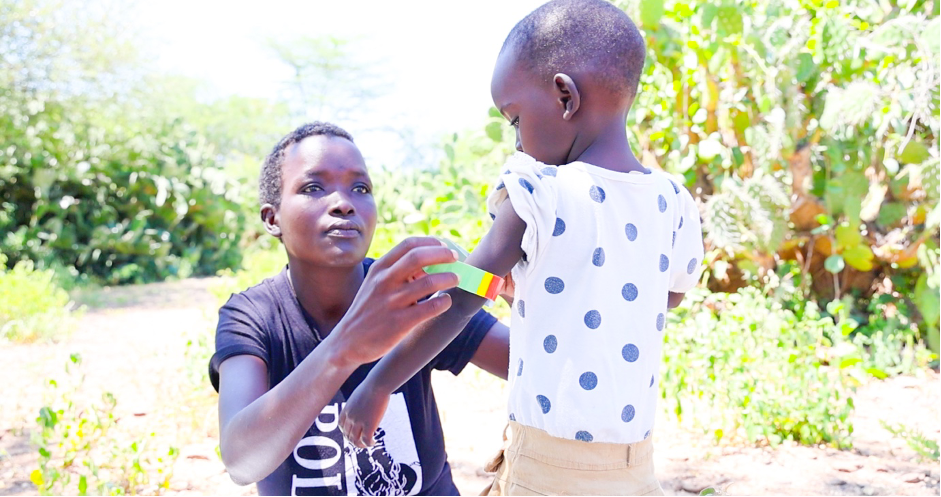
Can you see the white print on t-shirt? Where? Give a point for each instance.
(391, 467)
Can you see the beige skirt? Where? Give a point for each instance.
(533, 462)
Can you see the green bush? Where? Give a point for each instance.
(926, 448)
(119, 204)
(742, 367)
(809, 129)
(32, 306)
(82, 450)
(257, 265)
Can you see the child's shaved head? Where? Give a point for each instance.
(581, 35)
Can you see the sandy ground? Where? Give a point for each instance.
(133, 344)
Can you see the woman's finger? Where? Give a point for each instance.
(425, 285)
(423, 311)
(416, 259)
(405, 247)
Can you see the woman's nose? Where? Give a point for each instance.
(519, 144)
(341, 204)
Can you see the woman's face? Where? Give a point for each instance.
(327, 214)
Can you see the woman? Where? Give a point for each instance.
(290, 350)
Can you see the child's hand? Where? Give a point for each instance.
(360, 418)
(509, 288)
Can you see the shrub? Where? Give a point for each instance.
(32, 306)
(82, 451)
(741, 366)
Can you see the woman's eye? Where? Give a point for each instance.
(311, 188)
(515, 122)
(361, 189)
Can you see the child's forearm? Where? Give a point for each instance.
(497, 253)
(423, 344)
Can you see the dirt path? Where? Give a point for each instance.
(134, 344)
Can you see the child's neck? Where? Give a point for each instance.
(608, 148)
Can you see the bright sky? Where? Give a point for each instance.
(436, 55)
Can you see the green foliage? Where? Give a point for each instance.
(32, 306)
(743, 367)
(81, 453)
(257, 265)
(837, 101)
(449, 200)
(926, 448)
(119, 204)
(926, 291)
(747, 215)
(94, 178)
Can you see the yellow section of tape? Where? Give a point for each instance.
(484, 284)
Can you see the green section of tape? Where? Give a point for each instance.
(469, 277)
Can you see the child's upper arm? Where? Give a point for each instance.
(531, 188)
(500, 249)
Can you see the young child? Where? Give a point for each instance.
(599, 247)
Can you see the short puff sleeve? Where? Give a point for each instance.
(687, 244)
(531, 187)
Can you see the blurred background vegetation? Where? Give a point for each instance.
(807, 130)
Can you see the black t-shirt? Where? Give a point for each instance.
(267, 321)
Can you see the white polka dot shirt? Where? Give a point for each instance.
(602, 251)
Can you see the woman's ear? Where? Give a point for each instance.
(272, 220)
(568, 95)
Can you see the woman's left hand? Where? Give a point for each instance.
(362, 413)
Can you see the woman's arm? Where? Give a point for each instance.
(259, 428)
(497, 253)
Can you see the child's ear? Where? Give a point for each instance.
(272, 220)
(568, 95)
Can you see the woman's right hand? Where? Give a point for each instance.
(387, 306)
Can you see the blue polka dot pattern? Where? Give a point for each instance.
(526, 184)
(596, 193)
(493, 217)
(661, 320)
(550, 343)
(521, 307)
(554, 285)
(512, 417)
(629, 292)
(630, 353)
(549, 171)
(691, 266)
(584, 436)
(588, 380)
(544, 403)
(506, 172)
(627, 414)
(647, 435)
(559, 227)
(501, 186)
(674, 239)
(661, 203)
(538, 175)
(681, 223)
(675, 188)
(519, 372)
(651, 380)
(631, 231)
(593, 319)
(664, 263)
(597, 258)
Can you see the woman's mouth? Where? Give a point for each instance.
(343, 233)
(344, 229)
